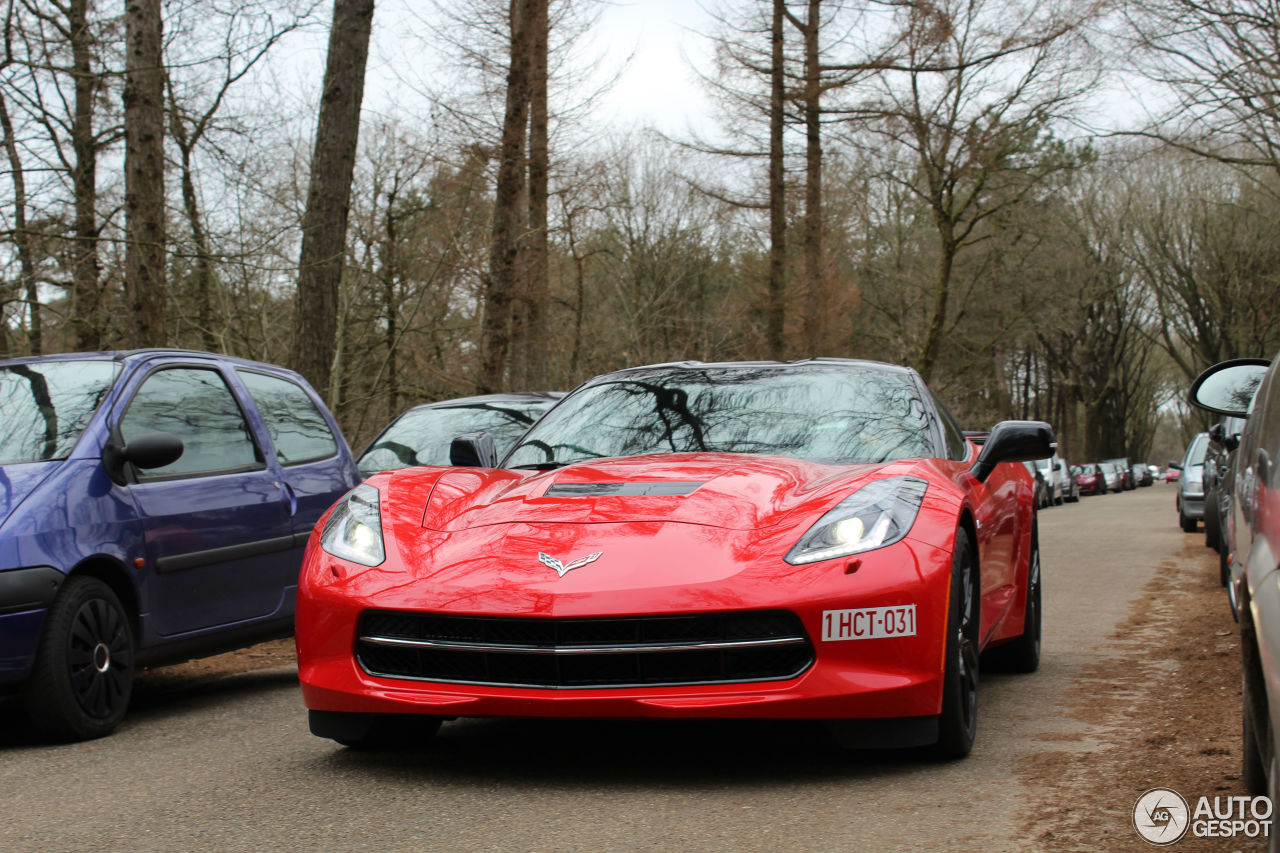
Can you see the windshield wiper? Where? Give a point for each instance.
(540, 466)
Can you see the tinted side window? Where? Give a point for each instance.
(957, 447)
(298, 430)
(196, 405)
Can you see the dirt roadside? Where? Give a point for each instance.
(1166, 707)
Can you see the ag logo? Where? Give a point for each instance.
(1161, 816)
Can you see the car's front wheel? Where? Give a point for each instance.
(958, 723)
(83, 674)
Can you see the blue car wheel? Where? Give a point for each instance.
(83, 674)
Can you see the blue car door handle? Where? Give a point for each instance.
(288, 492)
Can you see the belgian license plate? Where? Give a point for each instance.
(869, 623)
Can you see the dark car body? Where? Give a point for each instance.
(1247, 388)
(741, 540)
(422, 435)
(155, 506)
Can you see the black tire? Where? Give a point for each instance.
(1188, 524)
(1253, 769)
(83, 674)
(1212, 528)
(958, 722)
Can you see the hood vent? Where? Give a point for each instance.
(609, 490)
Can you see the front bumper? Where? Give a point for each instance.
(872, 678)
(25, 596)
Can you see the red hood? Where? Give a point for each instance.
(729, 491)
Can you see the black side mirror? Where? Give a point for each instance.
(149, 450)
(474, 450)
(1014, 441)
(1177, 466)
(1228, 387)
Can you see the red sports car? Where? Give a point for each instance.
(813, 539)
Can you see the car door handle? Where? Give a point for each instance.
(288, 493)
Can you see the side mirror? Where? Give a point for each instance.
(1217, 433)
(1228, 387)
(1014, 441)
(1176, 466)
(474, 450)
(149, 450)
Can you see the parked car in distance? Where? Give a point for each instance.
(1125, 470)
(680, 541)
(422, 435)
(1070, 488)
(1113, 480)
(1052, 480)
(1089, 479)
(1141, 475)
(155, 508)
(1040, 489)
(1247, 388)
(1190, 499)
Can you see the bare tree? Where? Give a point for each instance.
(144, 163)
(1221, 61)
(970, 107)
(324, 225)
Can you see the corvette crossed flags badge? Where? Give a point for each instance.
(563, 569)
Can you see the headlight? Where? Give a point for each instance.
(354, 529)
(878, 514)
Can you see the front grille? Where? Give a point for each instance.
(623, 652)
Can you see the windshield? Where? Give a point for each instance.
(422, 436)
(44, 406)
(824, 413)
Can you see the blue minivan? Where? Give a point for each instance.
(154, 506)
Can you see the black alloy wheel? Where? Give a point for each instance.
(83, 674)
(958, 723)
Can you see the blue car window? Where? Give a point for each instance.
(45, 406)
(298, 430)
(197, 406)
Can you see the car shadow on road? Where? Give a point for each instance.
(588, 753)
(157, 693)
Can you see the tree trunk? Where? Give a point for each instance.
(500, 283)
(27, 286)
(144, 264)
(86, 287)
(776, 308)
(537, 286)
(928, 353)
(814, 320)
(324, 224)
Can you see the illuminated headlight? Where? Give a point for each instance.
(354, 529)
(878, 514)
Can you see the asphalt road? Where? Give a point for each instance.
(229, 764)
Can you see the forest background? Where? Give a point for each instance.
(1057, 209)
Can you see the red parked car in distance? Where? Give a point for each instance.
(1089, 478)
